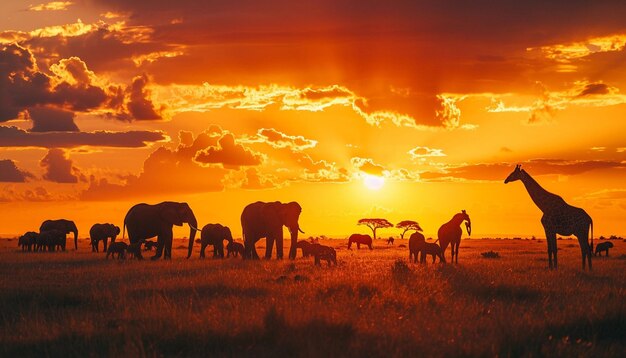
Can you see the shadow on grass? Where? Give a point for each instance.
(275, 338)
(604, 335)
(206, 291)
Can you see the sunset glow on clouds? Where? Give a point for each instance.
(104, 104)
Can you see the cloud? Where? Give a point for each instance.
(51, 6)
(280, 140)
(58, 167)
(229, 153)
(367, 166)
(71, 86)
(15, 137)
(10, 173)
(595, 89)
(165, 171)
(254, 181)
(423, 152)
(37, 194)
(140, 106)
(577, 50)
(499, 171)
(47, 119)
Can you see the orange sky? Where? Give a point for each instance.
(104, 104)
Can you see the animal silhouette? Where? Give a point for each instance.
(322, 252)
(451, 232)
(604, 246)
(119, 248)
(416, 244)
(305, 246)
(558, 217)
(359, 239)
(434, 250)
(235, 249)
(390, 240)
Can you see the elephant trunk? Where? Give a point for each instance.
(193, 227)
(294, 241)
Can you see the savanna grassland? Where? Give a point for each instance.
(374, 303)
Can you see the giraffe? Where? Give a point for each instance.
(450, 233)
(558, 217)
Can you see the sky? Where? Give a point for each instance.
(404, 110)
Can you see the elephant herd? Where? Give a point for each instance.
(258, 220)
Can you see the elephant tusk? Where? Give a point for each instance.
(300, 230)
(195, 228)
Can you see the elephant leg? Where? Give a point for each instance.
(168, 247)
(279, 246)
(269, 241)
(202, 248)
(104, 241)
(220, 249)
(160, 246)
(358, 246)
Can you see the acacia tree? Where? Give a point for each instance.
(407, 225)
(374, 224)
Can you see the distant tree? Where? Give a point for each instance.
(407, 225)
(374, 224)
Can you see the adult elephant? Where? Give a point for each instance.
(145, 221)
(62, 225)
(266, 220)
(53, 240)
(213, 234)
(102, 232)
(359, 239)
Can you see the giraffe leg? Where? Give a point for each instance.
(550, 237)
(585, 249)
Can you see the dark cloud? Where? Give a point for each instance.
(39, 193)
(229, 153)
(593, 89)
(10, 173)
(140, 106)
(499, 171)
(47, 119)
(58, 167)
(69, 87)
(15, 137)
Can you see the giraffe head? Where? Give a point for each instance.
(468, 223)
(515, 174)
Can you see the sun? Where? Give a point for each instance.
(373, 182)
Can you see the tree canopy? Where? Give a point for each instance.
(407, 225)
(374, 224)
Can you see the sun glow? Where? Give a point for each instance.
(373, 182)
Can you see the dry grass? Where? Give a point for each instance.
(374, 303)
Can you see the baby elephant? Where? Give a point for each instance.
(306, 247)
(604, 246)
(234, 248)
(434, 250)
(322, 252)
(149, 244)
(118, 248)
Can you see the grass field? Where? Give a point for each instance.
(79, 304)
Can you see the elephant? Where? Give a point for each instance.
(53, 239)
(234, 248)
(416, 245)
(28, 240)
(604, 246)
(102, 232)
(322, 252)
(360, 239)
(145, 221)
(63, 225)
(213, 234)
(266, 220)
(305, 246)
(118, 248)
(434, 250)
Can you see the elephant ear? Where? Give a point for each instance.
(171, 216)
(117, 230)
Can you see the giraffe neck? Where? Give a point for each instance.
(541, 197)
(457, 219)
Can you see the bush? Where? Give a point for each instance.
(400, 271)
(490, 255)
